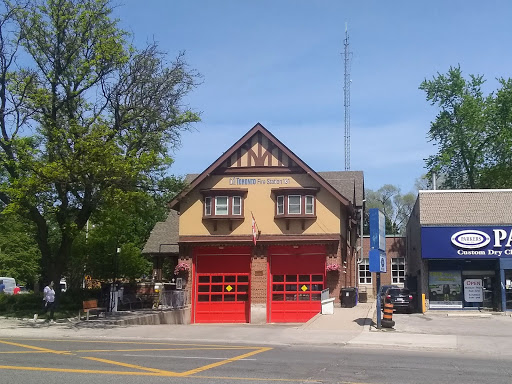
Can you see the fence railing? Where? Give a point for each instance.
(173, 299)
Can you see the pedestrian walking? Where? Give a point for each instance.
(2, 286)
(48, 302)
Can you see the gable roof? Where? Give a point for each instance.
(465, 207)
(295, 160)
(349, 183)
(164, 236)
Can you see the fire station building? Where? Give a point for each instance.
(263, 234)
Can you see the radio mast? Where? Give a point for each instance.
(346, 92)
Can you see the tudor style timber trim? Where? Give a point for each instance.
(241, 158)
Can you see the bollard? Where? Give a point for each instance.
(387, 317)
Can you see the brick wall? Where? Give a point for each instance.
(258, 279)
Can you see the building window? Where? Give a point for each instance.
(207, 206)
(221, 205)
(365, 276)
(294, 206)
(280, 205)
(398, 270)
(310, 205)
(237, 205)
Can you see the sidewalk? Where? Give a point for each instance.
(479, 333)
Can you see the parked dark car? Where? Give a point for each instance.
(401, 298)
(383, 289)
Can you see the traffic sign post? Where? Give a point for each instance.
(377, 252)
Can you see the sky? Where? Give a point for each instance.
(280, 63)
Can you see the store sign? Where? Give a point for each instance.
(473, 290)
(466, 242)
(471, 239)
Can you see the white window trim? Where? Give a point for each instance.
(282, 205)
(395, 275)
(207, 204)
(365, 262)
(312, 205)
(227, 206)
(300, 205)
(233, 205)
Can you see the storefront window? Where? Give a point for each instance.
(508, 288)
(445, 289)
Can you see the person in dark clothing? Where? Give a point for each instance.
(446, 292)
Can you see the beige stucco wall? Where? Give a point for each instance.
(261, 202)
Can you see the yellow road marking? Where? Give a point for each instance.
(71, 370)
(154, 349)
(155, 374)
(151, 371)
(218, 364)
(132, 350)
(35, 348)
(138, 343)
(126, 365)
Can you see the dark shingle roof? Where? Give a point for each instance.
(347, 183)
(465, 207)
(164, 236)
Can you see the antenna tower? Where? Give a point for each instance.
(346, 103)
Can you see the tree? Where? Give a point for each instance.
(87, 124)
(19, 255)
(396, 207)
(460, 130)
(498, 170)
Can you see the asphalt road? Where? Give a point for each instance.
(92, 361)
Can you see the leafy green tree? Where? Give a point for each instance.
(396, 208)
(497, 172)
(19, 255)
(460, 130)
(87, 124)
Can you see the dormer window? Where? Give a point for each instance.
(237, 205)
(223, 204)
(309, 208)
(295, 203)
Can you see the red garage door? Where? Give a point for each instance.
(222, 285)
(296, 282)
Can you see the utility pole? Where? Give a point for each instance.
(346, 103)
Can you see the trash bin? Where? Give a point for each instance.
(363, 295)
(348, 297)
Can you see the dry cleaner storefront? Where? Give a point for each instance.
(460, 252)
(476, 266)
